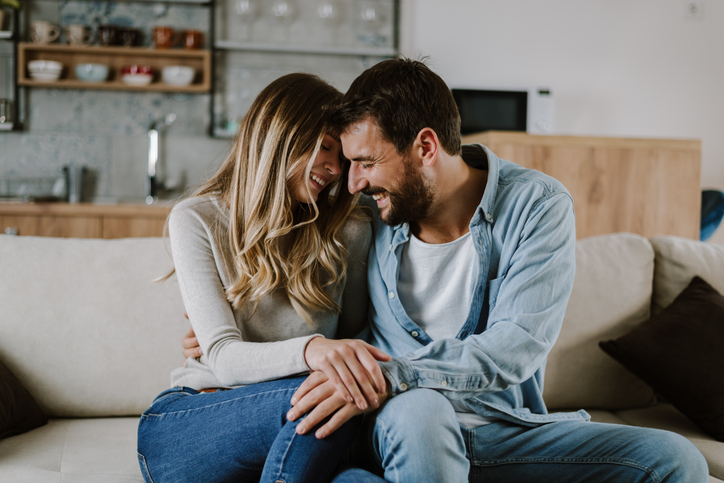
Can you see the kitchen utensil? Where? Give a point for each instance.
(77, 34)
(193, 39)
(165, 37)
(177, 75)
(43, 32)
(91, 72)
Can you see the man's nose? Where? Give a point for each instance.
(356, 180)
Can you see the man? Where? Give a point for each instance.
(469, 275)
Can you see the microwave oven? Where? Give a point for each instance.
(529, 110)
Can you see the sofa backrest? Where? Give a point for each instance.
(678, 260)
(611, 295)
(84, 326)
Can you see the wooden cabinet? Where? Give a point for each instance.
(115, 58)
(645, 186)
(83, 220)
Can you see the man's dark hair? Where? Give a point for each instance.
(403, 96)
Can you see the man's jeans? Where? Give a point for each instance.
(236, 435)
(416, 437)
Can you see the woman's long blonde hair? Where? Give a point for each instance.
(272, 245)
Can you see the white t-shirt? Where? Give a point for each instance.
(435, 286)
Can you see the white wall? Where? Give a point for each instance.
(630, 68)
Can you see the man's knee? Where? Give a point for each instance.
(679, 459)
(419, 411)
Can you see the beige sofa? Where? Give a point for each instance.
(93, 339)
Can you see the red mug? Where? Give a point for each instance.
(193, 39)
(165, 37)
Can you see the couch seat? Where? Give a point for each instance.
(101, 450)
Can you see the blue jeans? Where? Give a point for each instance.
(236, 435)
(415, 436)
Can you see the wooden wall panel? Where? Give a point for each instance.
(645, 186)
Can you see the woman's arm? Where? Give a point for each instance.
(198, 260)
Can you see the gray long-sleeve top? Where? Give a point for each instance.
(248, 346)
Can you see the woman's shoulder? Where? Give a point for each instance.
(197, 211)
(356, 233)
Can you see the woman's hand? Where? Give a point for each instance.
(320, 398)
(352, 368)
(190, 343)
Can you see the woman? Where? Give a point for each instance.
(261, 254)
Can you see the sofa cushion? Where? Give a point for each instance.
(99, 450)
(19, 412)
(678, 260)
(84, 326)
(680, 353)
(611, 295)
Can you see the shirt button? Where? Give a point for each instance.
(404, 225)
(414, 333)
(403, 386)
(390, 247)
(443, 383)
(392, 295)
(489, 217)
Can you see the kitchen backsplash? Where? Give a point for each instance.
(105, 131)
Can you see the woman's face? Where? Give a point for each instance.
(325, 170)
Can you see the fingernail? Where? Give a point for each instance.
(300, 429)
(290, 415)
(294, 400)
(376, 402)
(320, 434)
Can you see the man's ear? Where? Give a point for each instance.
(426, 146)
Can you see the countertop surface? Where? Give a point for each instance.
(124, 208)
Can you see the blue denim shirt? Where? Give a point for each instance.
(524, 235)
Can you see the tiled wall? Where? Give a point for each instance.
(106, 131)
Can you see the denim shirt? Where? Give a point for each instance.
(524, 235)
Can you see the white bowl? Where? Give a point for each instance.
(137, 79)
(91, 72)
(45, 76)
(45, 66)
(178, 75)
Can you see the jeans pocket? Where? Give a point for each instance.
(144, 468)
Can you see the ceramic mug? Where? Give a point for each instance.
(165, 37)
(107, 35)
(43, 32)
(193, 39)
(77, 34)
(129, 36)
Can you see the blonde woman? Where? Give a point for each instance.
(270, 257)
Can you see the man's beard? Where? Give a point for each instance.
(411, 200)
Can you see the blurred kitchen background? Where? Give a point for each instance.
(639, 68)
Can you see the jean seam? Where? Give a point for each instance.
(145, 466)
(168, 413)
(377, 454)
(616, 461)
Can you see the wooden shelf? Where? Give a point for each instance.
(302, 49)
(115, 58)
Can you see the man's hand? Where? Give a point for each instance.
(318, 394)
(190, 343)
(351, 366)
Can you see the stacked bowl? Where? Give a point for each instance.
(45, 70)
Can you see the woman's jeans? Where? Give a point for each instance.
(235, 435)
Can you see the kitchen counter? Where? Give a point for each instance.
(84, 220)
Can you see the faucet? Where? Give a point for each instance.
(152, 184)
